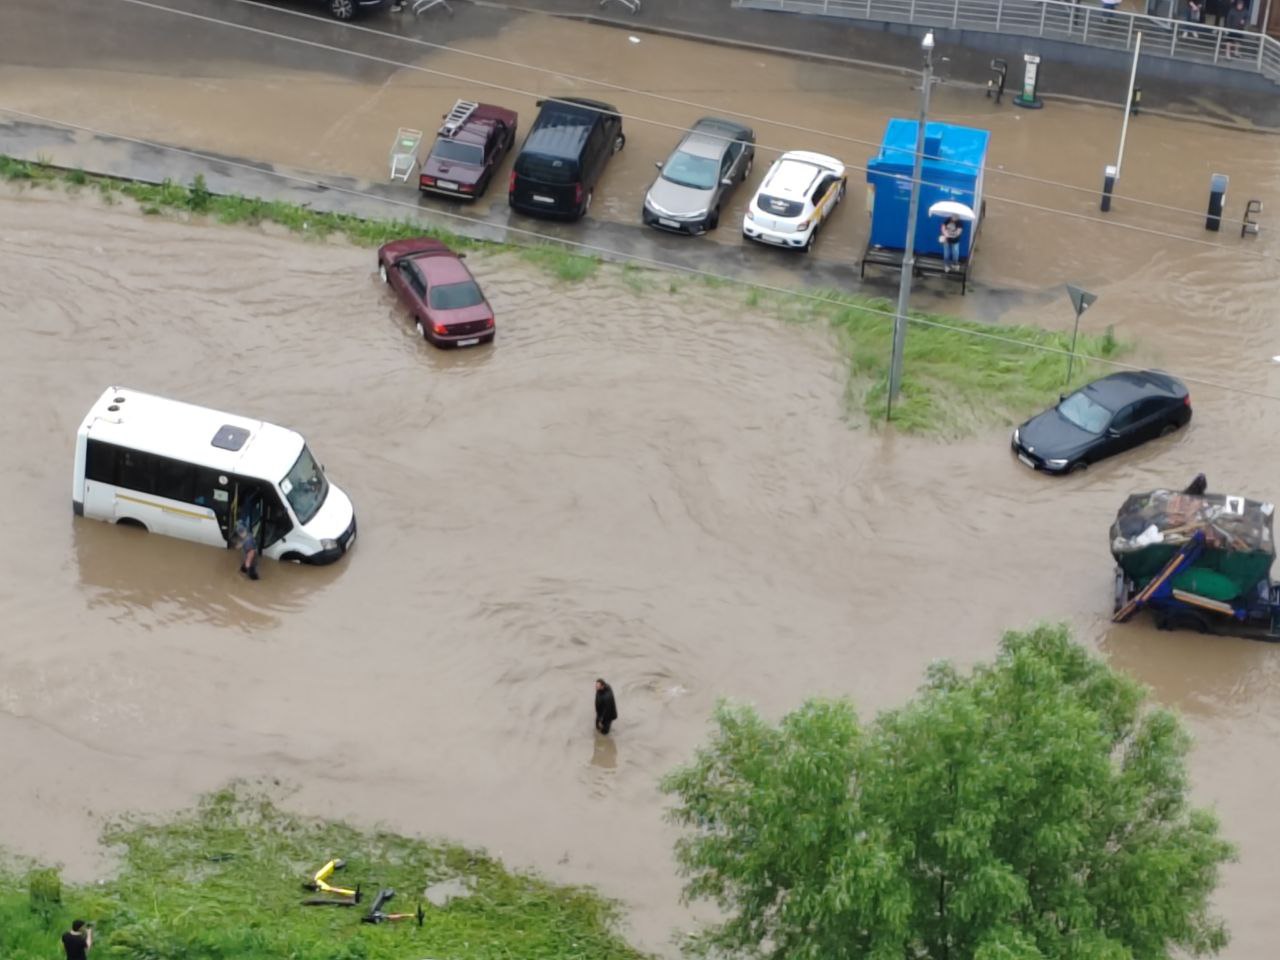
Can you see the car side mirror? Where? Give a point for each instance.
(462, 256)
(658, 164)
(726, 182)
(1112, 432)
(1062, 397)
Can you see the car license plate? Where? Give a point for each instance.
(1027, 460)
(469, 343)
(669, 223)
(446, 185)
(541, 199)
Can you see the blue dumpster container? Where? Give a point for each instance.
(954, 160)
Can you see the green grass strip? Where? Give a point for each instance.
(225, 881)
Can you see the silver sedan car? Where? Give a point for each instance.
(712, 158)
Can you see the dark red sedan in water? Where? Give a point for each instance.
(432, 281)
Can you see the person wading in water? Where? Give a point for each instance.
(606, 707)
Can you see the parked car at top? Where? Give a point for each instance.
(350, 9)
(431, 280)
(696, 180)
(1101, 419)
(796, 196)
(469, 148)
(563, 156)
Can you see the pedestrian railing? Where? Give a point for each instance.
(1057, 20)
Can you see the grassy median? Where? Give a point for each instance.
(224, 882)
(959, 376)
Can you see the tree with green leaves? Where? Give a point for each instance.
(1033, 808)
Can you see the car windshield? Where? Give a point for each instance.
(1086, 413)
(779, 207)
(689, 171)
(305, 486)
(544, 169)
(471, 153)
(455, 296)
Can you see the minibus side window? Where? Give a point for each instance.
(175, 479)
(100, 462)
(135, 471)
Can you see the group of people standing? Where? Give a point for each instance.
(1232, 14)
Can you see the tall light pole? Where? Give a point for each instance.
(909, 248)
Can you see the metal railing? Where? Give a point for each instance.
(1056, 20)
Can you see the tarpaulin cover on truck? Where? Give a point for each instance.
(1239, 546)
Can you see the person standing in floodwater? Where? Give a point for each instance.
(248, 552)
(951, 231)
(606, 707)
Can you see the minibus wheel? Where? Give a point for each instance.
(130, 522)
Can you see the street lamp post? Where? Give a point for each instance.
(909, 247)
(1081, 300)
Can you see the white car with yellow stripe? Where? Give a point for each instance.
(796, 196)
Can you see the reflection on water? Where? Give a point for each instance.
(153, 581)
(1211, 676)
(604, 752)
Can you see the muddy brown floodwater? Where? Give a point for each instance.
(656, 487)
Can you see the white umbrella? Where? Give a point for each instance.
(952, 208)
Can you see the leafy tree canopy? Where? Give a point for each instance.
(1034, 808)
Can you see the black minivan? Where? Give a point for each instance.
(563, 157)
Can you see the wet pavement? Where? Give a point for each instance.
(656, 487)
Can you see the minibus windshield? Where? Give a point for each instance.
(305, 486)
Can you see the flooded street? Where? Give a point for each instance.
(678, 507)
(652, 485)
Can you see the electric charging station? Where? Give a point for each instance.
(1030, 81)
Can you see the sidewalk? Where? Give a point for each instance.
(1084, 73)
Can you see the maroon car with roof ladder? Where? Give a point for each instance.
(471, 145)
(447, 304)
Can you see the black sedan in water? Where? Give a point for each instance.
(1101, 419)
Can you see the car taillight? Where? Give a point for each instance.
(1186, 401)
(511, 184)
(488, 323)
(577, 193)
(440, 328)
(468, 187)
(429, 181)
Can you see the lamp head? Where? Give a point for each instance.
(927, 43)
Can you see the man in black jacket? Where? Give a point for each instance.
(606, 707)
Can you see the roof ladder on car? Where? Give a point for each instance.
(455, 118)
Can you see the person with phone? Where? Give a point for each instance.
(78, 941)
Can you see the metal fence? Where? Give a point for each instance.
(1055, 20)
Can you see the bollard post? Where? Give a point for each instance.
(1030, 82)
(1108, 186)
(1217, 200)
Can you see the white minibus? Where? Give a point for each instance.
(194, 473)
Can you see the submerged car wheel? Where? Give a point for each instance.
(1167, 429)
(713, 220)
(422, 331)
(1077, 467)
(619, 142)
(342, 9)
(382, 271)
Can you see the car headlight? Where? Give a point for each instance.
(1056, 464)
(751, 216)
(328, 544)
(696, 215)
